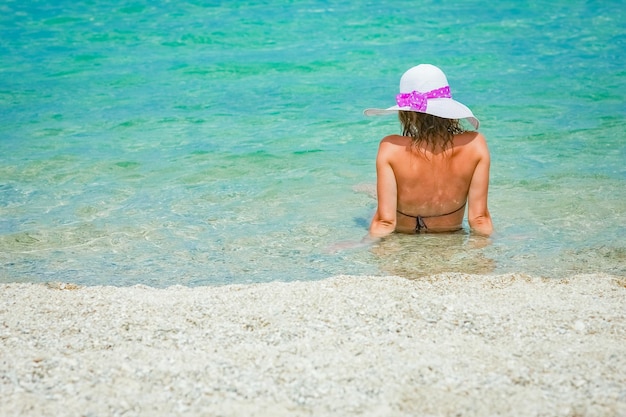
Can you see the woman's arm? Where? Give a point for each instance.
(384, 221)
(478, 213)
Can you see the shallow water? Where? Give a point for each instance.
(207, 143)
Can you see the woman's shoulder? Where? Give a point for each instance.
(470, 136)
(396, 140)
(471, 139)
(472, 145)
(393, 143)
(393, 147)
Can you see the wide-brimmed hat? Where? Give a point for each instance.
(425, 89)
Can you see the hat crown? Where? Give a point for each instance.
(422, 78)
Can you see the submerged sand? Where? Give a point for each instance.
(446, 345)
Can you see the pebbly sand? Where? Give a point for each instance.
(446, 345)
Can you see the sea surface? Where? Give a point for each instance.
(218, 142)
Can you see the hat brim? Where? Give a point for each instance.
(441, 107)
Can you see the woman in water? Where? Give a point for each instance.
(429, 174)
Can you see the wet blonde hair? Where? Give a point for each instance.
(431, 131)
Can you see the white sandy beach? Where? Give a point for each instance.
(447, 345)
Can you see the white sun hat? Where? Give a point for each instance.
(425, 89)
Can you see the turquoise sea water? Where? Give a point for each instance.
(201, 143)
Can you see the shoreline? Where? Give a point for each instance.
(449, 344)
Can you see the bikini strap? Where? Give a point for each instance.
(419, 220)
(437, 215)
(447, 214)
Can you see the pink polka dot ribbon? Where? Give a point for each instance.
(418, 101)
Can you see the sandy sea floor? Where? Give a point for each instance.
(446, 345)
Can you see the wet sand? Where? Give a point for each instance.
(444, 345)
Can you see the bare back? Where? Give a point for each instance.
(432, 185)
